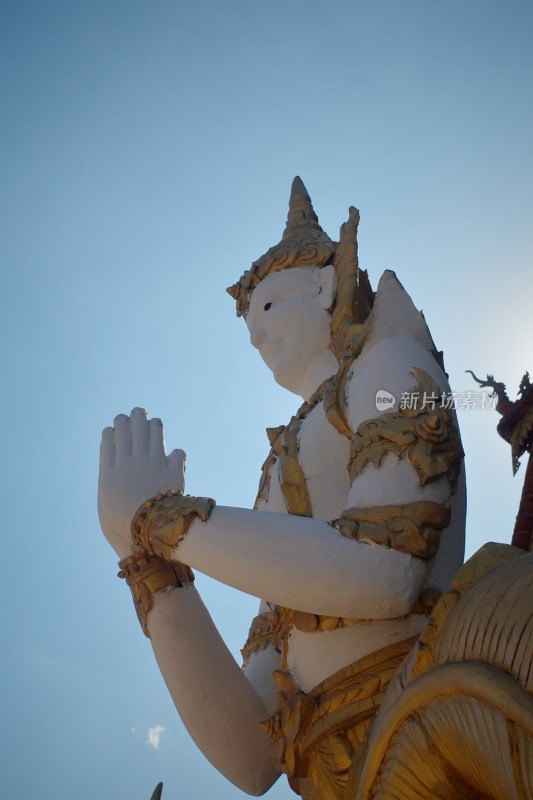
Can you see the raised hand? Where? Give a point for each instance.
(133, 467)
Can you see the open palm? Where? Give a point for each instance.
(133, 467)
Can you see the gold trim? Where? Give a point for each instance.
(334, 399)
(284, 448)
(160, 524)
(291, 475)
(286, 618)
(316, 737)
(411, 528)
(426, 435)
(260, 636)
(354, 294)
(274, 436)
(147, 574)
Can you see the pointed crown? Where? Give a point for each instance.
(304, 244)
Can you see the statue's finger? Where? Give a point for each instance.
(107, 448)
(122, 435)
(140, 433)
(176, 467)
(157, 438)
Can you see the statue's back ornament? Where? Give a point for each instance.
(377, 666)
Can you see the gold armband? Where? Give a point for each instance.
(161, 523)
(423, 431)
(147, 574)
(412, 528)
(260, 636)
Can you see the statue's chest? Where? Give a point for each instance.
(306, 471)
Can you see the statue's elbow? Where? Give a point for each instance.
(398, 598)
(259, 782)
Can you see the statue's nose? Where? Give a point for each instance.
(257, 337)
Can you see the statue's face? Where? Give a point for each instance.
(289, 321)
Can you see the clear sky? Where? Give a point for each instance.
(147, 151)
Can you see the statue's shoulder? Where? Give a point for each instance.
(394, 340)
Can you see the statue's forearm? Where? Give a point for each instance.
(302, 563)
(218, 706)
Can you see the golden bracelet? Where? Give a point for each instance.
(147, 574)
(160, 524)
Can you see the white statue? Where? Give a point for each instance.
(348, 558)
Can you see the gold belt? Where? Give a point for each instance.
(319, 737)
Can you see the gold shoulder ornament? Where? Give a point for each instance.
(422, 431)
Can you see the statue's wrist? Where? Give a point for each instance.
(147, 574)
(162, 522)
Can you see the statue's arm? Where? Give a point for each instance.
(217, 704)
(299, 562)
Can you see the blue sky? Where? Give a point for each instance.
(147, 151)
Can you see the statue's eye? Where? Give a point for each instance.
(267, 306)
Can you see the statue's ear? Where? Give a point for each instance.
(327, 285)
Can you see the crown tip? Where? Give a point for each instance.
(298, 188)
(354, 216)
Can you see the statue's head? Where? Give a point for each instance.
(306, 295)
(289, 321)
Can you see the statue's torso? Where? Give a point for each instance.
(323, 455)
